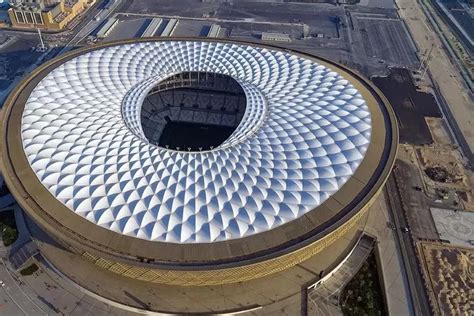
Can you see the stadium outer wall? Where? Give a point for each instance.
(329, 231)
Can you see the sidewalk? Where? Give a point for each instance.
(396, 290)
(324, 296)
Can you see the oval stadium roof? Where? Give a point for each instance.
(305, 131)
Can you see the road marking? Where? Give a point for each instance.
(26, 295)
(11, 298)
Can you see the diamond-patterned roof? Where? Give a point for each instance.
(305, 132)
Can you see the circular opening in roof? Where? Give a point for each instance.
(193, 111)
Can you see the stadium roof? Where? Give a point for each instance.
(304, 133)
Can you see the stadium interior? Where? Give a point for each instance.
(193, 111)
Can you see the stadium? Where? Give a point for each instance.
(155, 172)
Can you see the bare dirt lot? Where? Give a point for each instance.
(445, 175)
(443, 167)
(438, 131)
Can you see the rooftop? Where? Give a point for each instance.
(304, 132)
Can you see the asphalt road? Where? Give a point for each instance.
(89, 22)
(7, 305)
(13, 299)
(418, 215)
(94, 18)
(419, 299)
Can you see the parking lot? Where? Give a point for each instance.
(386, 39)
(368, 38)
(383, 37)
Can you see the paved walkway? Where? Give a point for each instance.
(62, 297)
(325, 294)
(14, 300)
(391, 265)
(394, 283)
(45, 292)
(455, 227)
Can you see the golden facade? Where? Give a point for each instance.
(53, 17)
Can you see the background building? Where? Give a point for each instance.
(45, 14)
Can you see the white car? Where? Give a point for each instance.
(2, 283)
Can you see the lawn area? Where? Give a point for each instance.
(8, 227)
(29, 270)
(363, 294)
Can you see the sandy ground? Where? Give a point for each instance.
(438, 131)
(443, 71)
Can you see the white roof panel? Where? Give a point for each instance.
(304, 132)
